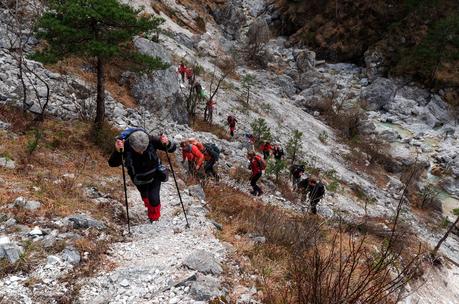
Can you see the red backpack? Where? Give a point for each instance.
(261, 162)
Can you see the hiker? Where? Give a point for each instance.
(189, 75)
(266, 149)
(257, 165)
(296, 171)
(278, 152)
(250, 141)
(193, 154)
(143, 165)
(197, 88)
(211, 155)
(208, 112)
(315, 189)
(182, 70)
(232, 124)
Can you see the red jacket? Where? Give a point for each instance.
(192, 153)
(189, 72)
(255, 164)
(267, 147)
(182, 69)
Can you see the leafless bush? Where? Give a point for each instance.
(257, 36)
(18, 19)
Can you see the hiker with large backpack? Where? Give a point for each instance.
(191, 152)
(232, 124)
(315, 190)
(138, 150)
(278, 152)
(296, 171)
(257, 165)
(266, 149)
(211, 154)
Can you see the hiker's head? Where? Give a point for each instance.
(139, 141)
(250, 155)
(312, 181)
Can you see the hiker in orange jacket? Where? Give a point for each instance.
(194, 156)
(257, 165)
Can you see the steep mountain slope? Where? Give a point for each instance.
(415, 38)
(287, 95)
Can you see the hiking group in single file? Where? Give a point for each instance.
(136, 151)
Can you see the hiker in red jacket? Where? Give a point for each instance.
(194, 156)
(257, 165)
(266, 148)
(232, 124)
(189, 75)
(208, 112)
(182, 70)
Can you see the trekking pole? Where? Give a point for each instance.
(125, 193)
(178, 190)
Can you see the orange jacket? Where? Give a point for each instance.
(192, 153)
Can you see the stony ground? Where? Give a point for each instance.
(162, 262)
(149, 264)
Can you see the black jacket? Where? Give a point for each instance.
(315, 193)
(140, 163)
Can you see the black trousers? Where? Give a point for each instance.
(265, 154)
(253, 182)
(209, 167)
(314, 204)
(151, 192)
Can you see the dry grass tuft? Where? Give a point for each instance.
(202, 126)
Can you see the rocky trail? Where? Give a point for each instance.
(162, 262)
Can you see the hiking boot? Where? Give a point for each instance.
(260, 193)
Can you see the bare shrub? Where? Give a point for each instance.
(257, 36)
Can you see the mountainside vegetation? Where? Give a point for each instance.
(415, 38)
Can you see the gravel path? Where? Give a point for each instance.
(150, 263)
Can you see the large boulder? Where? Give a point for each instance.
(31, 205)
(305, 59)
(205, 288)
(158, 91)
(204, 262)
(439, 109)
(83, 221)
(153, 49)
(231, 16)
(286, 84)
(378, 94)
(10, 250)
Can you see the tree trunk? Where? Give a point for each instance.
(100, 99)
(434, 252)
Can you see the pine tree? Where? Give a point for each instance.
(247, 82)
(261, 131)
(97, 30)
(276, 167)
(294, 146)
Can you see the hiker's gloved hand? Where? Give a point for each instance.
(164, 140)
(119, 145)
